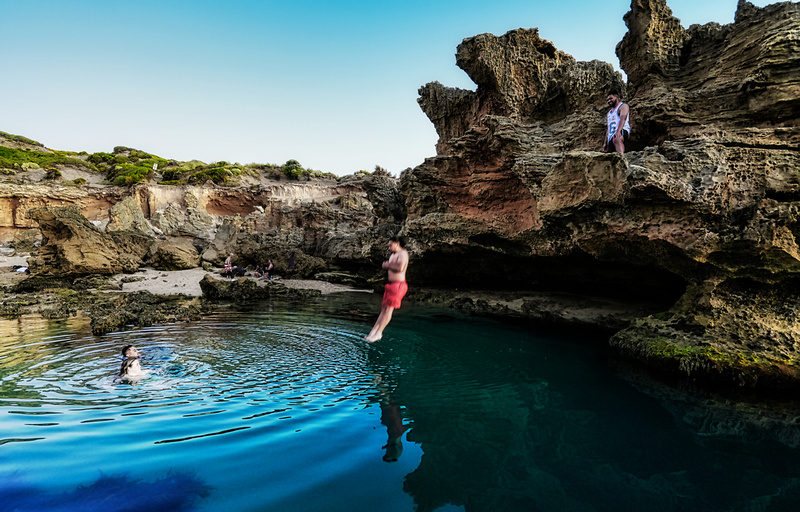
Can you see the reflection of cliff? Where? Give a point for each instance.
(518, 424)
(702, 214)
(523, 424)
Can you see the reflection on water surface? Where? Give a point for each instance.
(289, 409)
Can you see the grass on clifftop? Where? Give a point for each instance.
(223, 173)
(14, 160)
(20, 138)
(127, 166)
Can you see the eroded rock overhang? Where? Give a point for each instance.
(701, 212)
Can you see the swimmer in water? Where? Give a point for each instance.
(131, 370)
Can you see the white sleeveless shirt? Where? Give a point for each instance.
(613, 121)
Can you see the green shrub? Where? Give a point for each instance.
(319, 174)
(191, 165)
(135, 154)
(218, 175)
(79, 181)
(123, 175)
(292, 169)
(171, 175)
(101, 158)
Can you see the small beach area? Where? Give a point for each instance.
(170, 282)
(187, 282)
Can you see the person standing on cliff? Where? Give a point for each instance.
(395, 289)
(618, 122)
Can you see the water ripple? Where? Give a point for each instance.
(254, 368)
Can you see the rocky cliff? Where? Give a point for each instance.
(701, 215)
(324, 221)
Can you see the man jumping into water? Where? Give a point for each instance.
(395, 289)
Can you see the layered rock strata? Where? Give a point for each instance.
(111, 229)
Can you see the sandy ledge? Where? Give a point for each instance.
(170, 282)
(187, 282)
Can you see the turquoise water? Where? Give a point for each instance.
(289, 410)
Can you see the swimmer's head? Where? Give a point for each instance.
(129, 351)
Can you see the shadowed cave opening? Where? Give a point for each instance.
(580, 274)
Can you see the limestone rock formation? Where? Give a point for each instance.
(174, 253)
(737, 83)
(343, 222)
(73, 245)
(17, 199)
(522, 77)
(697, 223)
(700, 218)
(127, 215)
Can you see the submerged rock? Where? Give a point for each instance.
(140, 309)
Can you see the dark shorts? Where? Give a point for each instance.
(612, 148)
(394, 293)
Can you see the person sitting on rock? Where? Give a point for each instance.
(259, 271)
(618, 124)
(131, 369)
(229, 267)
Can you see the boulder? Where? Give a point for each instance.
(73, 245)
(189, 221)
(174, 253)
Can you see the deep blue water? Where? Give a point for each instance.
(288, 409)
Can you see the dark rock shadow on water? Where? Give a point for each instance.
(177, 492)
(744, 415)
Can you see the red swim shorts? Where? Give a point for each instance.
(394, 293)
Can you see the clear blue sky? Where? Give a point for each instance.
(332, 84)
